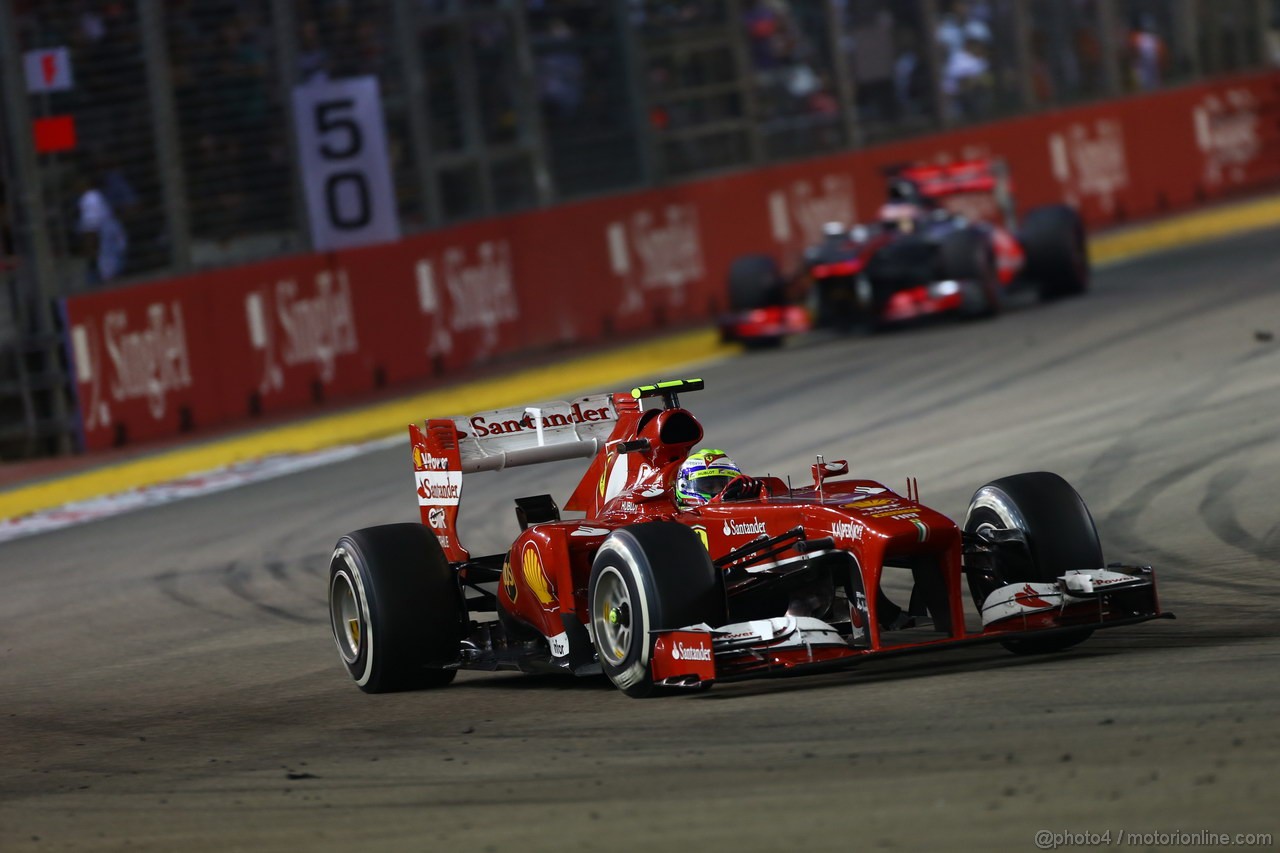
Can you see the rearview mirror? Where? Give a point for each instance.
(824, 470)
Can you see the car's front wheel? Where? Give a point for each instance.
(1059, 533)
(649, 577)
(1057, 255)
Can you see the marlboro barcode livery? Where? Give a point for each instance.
(680, 570)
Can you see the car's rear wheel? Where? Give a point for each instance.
(649, 577)
(1057, 257)
(1060, 536)
(395, 608)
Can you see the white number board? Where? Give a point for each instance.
(342, 144)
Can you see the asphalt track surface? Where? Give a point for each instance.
(168, 682)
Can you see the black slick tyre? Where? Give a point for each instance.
(395, 608)
(1060, 536)
(755, 282)
(1057, 258)
(967, 256)
(648, 577)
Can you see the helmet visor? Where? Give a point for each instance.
(707, 484)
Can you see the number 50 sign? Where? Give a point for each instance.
(342, 144)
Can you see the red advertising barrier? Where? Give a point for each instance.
(162, 358)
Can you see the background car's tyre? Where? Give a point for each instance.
(968, 256)
(649, 577)
(1060, 536)
(755, 282)
(395, 608)
(1057, 258)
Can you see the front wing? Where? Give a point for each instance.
(700, 654)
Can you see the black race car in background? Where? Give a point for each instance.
(946, 241)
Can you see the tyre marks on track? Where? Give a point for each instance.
(1218, 510)
(290, 591)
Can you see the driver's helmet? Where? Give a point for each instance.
(901, 215)
(703, 475)
(905, 190)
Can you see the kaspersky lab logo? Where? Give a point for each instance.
(679, 651)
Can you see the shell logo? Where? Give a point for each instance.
(417, 458)
(534, 575)
(509, 581)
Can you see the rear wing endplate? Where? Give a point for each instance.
(446, 448)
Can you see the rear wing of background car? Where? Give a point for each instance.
(979, 189)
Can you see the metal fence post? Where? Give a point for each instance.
(410, 56)
(1109, 39)
(1260, 23)
(173, 184)
(633, 61)
(530, 113)
(1187, 26)
(39, 286)
(846, 89)
(25, 195)
(285, 26)
(473, 127)
(746, 81)
(937, 62)
(1023, 56)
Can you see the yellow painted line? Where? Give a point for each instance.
(654, 359)
(1185, 230)
(657, 359)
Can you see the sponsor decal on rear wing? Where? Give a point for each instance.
(971, 176)
(541, 432)
(446, 448)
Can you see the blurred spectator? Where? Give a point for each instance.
(963, 24)
(1146, 54)
(313, 59)
(102, 237)
(560, 72)
(967, 82)
(910, 75)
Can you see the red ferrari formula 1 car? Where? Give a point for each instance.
(946, 241)
(765, 578)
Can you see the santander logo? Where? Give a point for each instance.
(742, 528)
(679, 651)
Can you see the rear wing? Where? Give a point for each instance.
(528, 435)
(939, 181)
(446, 448)
(978, 189)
